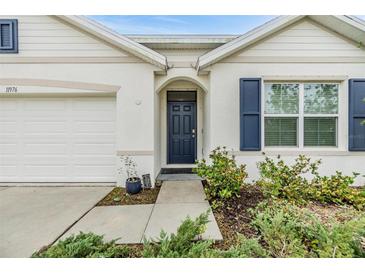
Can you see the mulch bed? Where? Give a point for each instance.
(234, 216)
(119, 196)
(327, 213)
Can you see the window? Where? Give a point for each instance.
(301, 115)
(8, 36)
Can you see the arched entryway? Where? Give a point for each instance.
(180, 123)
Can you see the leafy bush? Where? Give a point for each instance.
(336, 189)
(279, 180)
(290, 231)
(183, 244)
(84, 245)
(224, 177)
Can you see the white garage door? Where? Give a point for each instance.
(57, 139)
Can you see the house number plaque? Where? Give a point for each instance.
(11, 89)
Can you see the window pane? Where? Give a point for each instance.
(320, 131)
(281, 98)
(321, 98)
(5, 35)
(280, 131)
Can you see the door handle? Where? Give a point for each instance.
(193, 132)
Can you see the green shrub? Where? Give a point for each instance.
(336, 189)
(279, 180)
(84, 245)
(290, 231)
(245, 248)
(183, 244)
(224, 177)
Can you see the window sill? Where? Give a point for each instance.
(296, 152)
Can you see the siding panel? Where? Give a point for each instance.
(304, 39)
(47, 36)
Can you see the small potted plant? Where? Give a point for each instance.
(133, 183)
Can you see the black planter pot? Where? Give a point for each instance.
(133, 185)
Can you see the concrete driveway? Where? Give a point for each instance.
(32, 217)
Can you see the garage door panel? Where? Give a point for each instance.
(82, 116)
(45, 170)
(87, 160)
(45, 138)
(94, 138)
(84, 104)
(94, 149)
(43, 149)
(45, 127)
(57, 139)
(6, 149)
(8, 127)
(8, 171)
(93, 170)
(94, 127)
(44, 160)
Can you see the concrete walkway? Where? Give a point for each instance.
(32, 217)
(131, 223)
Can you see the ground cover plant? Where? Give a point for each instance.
(84, 245)
(291, 211)
(287, 230)
(283, 230)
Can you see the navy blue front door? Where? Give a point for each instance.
(181, 132)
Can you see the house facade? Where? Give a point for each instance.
(76, 96)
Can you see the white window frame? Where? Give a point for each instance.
(300, 116)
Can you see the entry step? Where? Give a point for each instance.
(176, 171)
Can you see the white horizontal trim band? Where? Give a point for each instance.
(135, 152)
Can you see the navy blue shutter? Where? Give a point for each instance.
(250, 114)
(356, 114)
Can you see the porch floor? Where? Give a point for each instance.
(178, 177)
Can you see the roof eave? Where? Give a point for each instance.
(245, 40)
(117, 40)
(261, 32)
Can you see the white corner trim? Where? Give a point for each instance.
(116, 39)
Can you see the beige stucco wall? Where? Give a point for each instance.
(135, 100)
(224, 96)
(52, 50)
(301, 52)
